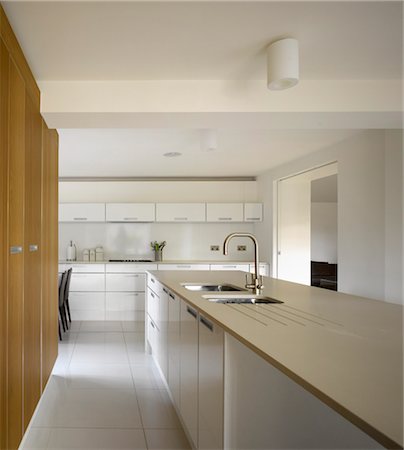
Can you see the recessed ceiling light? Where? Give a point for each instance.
(172, 154)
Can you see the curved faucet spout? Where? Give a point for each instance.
(257, 284)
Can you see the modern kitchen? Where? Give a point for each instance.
(202, 225)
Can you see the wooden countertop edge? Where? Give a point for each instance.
(367, 428)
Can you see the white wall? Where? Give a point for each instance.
(324, 237)
(362, 210)
(184, 241)
(189, 241)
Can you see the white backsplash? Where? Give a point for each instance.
(129, 240)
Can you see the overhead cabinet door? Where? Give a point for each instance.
(180, 212)
(253, 212)
(130, 212)
(224, 212)
(82, 212)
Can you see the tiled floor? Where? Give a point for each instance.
(105, 393)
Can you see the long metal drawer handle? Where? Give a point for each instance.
(206, 323)
(253, 218)
(79, 218)
(33, 248)
(152, 324)
(171, 296)
(182, 266)
(15, 250)
(152, 294)
(165, 290)
(130, 218)
(152, 280)
(192, 312)
(225, 218)
(180, 218)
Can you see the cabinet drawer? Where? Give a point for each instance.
(242, 267)
(253, 212)
(180, 212)
(124, 301)
(183, 267)
(224, 212)
(129, 267)
(125, 282)
(88, 301)
(87, 282)
(153, 284)
(86, 268)
(152, 335)
(130, 212)
(82, 212)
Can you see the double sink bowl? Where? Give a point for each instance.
(233, 294)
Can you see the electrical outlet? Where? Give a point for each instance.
(214, 248)
(241, 248)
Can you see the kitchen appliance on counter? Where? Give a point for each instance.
(99, 254)
(71, 252)
(131, 260)
(86, 255)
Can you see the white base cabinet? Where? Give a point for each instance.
(189, 370)
(174, 341)
(210, 385)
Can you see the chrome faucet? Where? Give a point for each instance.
(256, 283)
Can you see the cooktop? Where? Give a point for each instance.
(130, 260)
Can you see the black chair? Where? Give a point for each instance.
(60, 276)
(67, 290)
(62, 310)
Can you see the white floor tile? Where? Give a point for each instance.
(156, 409)
(98, 376)
(137, 326)
(166, 440)
(147, 377)
(36, 438)
(88, 408)
(101, 326)
(74, 325)
(100, 348)
(93, 438)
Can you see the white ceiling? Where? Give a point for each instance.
(205, 40)
(131, 152)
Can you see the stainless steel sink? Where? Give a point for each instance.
(211, 287)
(242, 299)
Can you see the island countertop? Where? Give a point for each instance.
(346, 350)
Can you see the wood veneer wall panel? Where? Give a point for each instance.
(49, 251)
(4, 90)
(16, 261)
(32, 259)
(17, 54)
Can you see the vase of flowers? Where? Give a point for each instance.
(158, 249)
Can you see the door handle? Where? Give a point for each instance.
(33, 248)
(15, 250)
(192, 312)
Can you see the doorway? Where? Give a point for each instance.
(293, 250)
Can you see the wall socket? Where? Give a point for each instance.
(241, 248)
(214, 248)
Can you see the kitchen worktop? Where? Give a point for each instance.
(172, 261)
(345, 350)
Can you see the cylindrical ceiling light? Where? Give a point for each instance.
(283, 64)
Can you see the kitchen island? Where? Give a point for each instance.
(338, 357)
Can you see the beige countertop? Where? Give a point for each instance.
(344, 349)
(225, 262)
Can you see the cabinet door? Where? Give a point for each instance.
(32, 259)
(87, 305)
(125, 306)
(87, 282)
(153, 305)
(162, 325)
(210, 394)
(125, 282)
(173, 338)
(263, 269)
(16, 176)
(130, 212)
(224, 212)
(82, 212)
(189, 370)
(253, 212)
(180, 212)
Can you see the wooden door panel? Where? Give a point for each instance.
(49, 251)
(16, 261)
(32, 260)
(4, 91)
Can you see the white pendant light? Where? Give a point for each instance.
(283, 64)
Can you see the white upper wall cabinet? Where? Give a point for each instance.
(253, 212)
(224, 212)
(130, 212)
(180, 212)
(82, 212)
